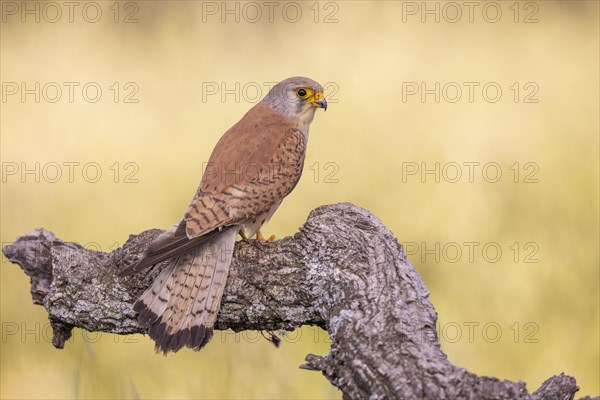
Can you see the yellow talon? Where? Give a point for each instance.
(259, 236)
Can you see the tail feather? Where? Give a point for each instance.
(152, 304)
(191, 264)
(214, 292)
(192, 284)
(184, 268)
(180, 307)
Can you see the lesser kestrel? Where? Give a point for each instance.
(256, 163)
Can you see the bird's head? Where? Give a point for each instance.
(297, 98)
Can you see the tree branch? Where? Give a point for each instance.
(343, 271)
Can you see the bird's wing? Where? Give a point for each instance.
(255, 165)
(170, 243)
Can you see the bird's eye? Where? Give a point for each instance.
(303, 93)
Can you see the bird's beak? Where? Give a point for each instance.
(318, 100)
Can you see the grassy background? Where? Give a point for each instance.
(529, 319)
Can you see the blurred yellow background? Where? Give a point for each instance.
(512, 260)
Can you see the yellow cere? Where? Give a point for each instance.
(318, 96)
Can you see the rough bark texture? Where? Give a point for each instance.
(343, 271)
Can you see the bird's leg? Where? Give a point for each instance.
(243, 235)
(259, 236)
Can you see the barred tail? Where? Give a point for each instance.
(181, 306)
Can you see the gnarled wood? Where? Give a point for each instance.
(343, 271)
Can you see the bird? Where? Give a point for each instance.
(253, 167)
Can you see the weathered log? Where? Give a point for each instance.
(343, 271)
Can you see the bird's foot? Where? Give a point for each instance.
(259, 236)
